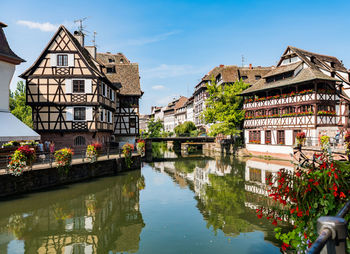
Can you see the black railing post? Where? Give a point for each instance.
(338, 227)
(108, 152)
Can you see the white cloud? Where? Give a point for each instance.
(159, 87)
(170, 71)
(147, 40)
(45, 27)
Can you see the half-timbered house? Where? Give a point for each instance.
(119, 70)
(72, 101)
(306, 92)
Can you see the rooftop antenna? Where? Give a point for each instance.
(80, 21)
(94, 40)
(243, 60)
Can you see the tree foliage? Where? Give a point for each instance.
(154, 128)
(18, 105)
(224, 108)
(185, 128)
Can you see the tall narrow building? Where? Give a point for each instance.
(120, 71)
(72, 100)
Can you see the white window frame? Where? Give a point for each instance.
(74, 114)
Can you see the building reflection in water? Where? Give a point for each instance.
(227, 190)
(97, 217)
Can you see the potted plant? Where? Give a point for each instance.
(141, 146)
(63, 158)
(300, 137)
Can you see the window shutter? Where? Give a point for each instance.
(71, 60)
(69, 113)
(88, 113)
(112, 95)
(88, 86)
(68, 86)
(110, 116)
(53, 59)
(106, 94)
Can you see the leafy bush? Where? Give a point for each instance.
(302, 196)
(185, 129)
(141, 146)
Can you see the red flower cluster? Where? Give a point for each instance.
(26, 150)
(97, 146)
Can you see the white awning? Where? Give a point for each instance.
(11, 128)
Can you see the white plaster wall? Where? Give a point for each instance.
(288, 137)
(6, 74)
(281, 149)
(273, 137)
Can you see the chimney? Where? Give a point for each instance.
(92, 50)
(80, 37)
(250, 66)
(221, 65)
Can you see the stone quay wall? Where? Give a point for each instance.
(46, 178)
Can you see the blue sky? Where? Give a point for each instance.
(177, 42)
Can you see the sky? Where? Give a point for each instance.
(177, 42)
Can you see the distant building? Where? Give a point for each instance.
(10, 128)
(143, 122)
(180, 111)
(189, 109)
(169, 116)
(306, 92)
(223, 74)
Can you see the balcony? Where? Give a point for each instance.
(292, 98)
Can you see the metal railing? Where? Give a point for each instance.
(332, 231)
(48, 157)
(315, 142)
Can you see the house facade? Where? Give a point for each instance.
(11, 128)
(189, 109)
(169, 116)
(125, 76)
(180, 111)
(73, 102)
(223, 74)
(306, 92)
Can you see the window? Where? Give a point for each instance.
(102, 115)
(78, 86)
(121, 61)
(280, 137)
(254, 137)
(244, 77)
(79, 141)
(111, 69)
(111, 60)
(111, 94)
(257, 77)
(267, 137)
(132, 122)
(109, 116)
(79, 113)
(103, 88)
(62, 60)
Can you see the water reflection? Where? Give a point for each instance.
(86, 218)
(227, 190)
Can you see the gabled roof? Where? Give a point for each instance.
(6, 54)
(90, 62)
(310, 65)
(181, 102)
(126, 73)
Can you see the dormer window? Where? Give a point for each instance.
(332, 64)
(111, 69)
(244, 77)
(257, 77)
(111, 60)
(62, 60)
(121, 61)
(312, 59)
(218, 78)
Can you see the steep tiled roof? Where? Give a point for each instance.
(312, 66)
(181, 102)
(6, 54)
(126, 73)
(304, 75)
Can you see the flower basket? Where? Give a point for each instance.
(300, 137)
(127, 152)
(63, 158)
(93, 151)
(140, 146)
(24, 156)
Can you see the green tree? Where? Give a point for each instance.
(224, 108)
(154, 128)
(18, 105)
(185, 128)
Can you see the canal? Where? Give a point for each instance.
(197, 204)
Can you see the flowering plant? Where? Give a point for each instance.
(29, 153)
(347, 144)
(91, 153)
(140, 146)
(16, 166)
(304, 195)
(21, 158)
(326, 113)
(300, 137)
(63, 158)
(127, 152)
